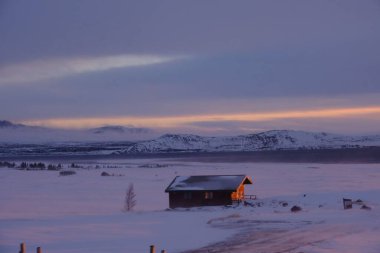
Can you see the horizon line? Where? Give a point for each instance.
(183, 121)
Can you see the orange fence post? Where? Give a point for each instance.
(22, 248)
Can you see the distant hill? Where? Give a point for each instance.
(18, 133)
(270, 140)
(8, 124)
(18, 139)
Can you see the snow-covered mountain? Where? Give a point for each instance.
(4, 124)
(270, 140)
(18, 133)
(130, 140)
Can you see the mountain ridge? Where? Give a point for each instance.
(268, 140)
(145, 140)
(26, 134)
(9, 124)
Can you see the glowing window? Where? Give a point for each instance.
(209, 195)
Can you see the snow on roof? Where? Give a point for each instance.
(208, 183)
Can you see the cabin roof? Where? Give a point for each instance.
(208, 183)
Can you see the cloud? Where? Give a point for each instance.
(168, 122)
(55, 68)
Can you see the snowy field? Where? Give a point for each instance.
(82, 213)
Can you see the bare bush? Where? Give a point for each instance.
(130, 199)
(67, 173)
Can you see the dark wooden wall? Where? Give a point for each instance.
(178, 199)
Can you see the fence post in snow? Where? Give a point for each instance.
(152, 249)
(39, 250)
(22, 248)
(347, 203)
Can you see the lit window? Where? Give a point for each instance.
(209, 195)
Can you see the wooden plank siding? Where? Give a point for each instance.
(199, 198)
(239, 194)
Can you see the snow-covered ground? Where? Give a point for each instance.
(83, 212)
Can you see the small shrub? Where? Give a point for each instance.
(105, 174)
(7, 164)
(154, 165)
(76, 166)
(24, 165)
(295, 209)
(53, 167)
(284, 204)
(67, 173)
(365, 207)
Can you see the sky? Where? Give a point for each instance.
(204, 67)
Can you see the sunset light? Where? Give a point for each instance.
(189, 126)
(178, 121)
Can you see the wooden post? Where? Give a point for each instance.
(347, 203)
(39, 250)
(152, 249)
(22, 248)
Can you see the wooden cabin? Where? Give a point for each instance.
(217, 190)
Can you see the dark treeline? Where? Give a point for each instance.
(31, 166)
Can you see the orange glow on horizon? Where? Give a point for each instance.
(178, 121)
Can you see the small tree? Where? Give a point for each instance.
(24, 165)
(130, 199)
